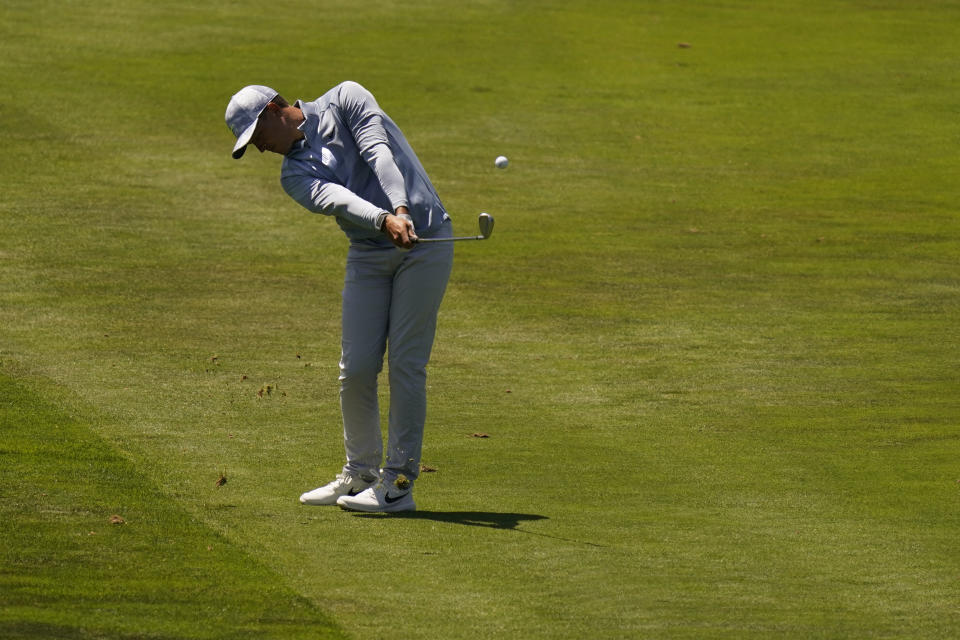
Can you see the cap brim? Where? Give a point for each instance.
(244, 140)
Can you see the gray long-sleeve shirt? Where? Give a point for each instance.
(355, 163)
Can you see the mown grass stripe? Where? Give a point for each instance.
(69, 572)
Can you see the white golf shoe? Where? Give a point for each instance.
(345, 484)
(383, 497)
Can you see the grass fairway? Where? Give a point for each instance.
(75, 568)
(713, 341)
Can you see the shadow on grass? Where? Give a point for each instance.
(472, 518)
(488, 519)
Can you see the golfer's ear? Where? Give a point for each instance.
(273, 106)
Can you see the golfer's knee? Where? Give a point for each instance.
(363, 371)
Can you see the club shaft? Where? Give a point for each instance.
(419, 240)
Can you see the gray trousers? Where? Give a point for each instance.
(390, 297)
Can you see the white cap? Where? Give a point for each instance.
(243, 111)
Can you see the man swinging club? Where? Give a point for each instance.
(343, 156)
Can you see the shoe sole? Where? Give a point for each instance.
(327, 502)
(387, 509)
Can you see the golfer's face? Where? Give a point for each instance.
(270, 134)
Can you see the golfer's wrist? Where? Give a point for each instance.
(381, 221)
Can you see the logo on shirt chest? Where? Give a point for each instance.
(328, 159)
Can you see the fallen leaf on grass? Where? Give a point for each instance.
(480, 435)
(222, 480)
(684, 45)
(425, 469)
(115, 519)
(268, 389)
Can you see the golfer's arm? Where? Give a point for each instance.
(332, 199)
(363, 117)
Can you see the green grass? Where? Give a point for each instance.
(94, 550)
(714, 338)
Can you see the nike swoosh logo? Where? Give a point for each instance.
(391, 500)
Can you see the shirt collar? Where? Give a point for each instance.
(302, 142)
(298, 145)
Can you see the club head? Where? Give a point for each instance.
(486, 225)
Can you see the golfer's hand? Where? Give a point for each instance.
(399, 229)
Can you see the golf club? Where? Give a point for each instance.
(486, 228)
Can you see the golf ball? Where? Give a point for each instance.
(501, 162)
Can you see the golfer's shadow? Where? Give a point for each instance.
(487, 519)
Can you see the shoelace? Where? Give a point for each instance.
(343, 479)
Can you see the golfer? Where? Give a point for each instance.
(344, 157)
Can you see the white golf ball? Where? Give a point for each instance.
(501, 162)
